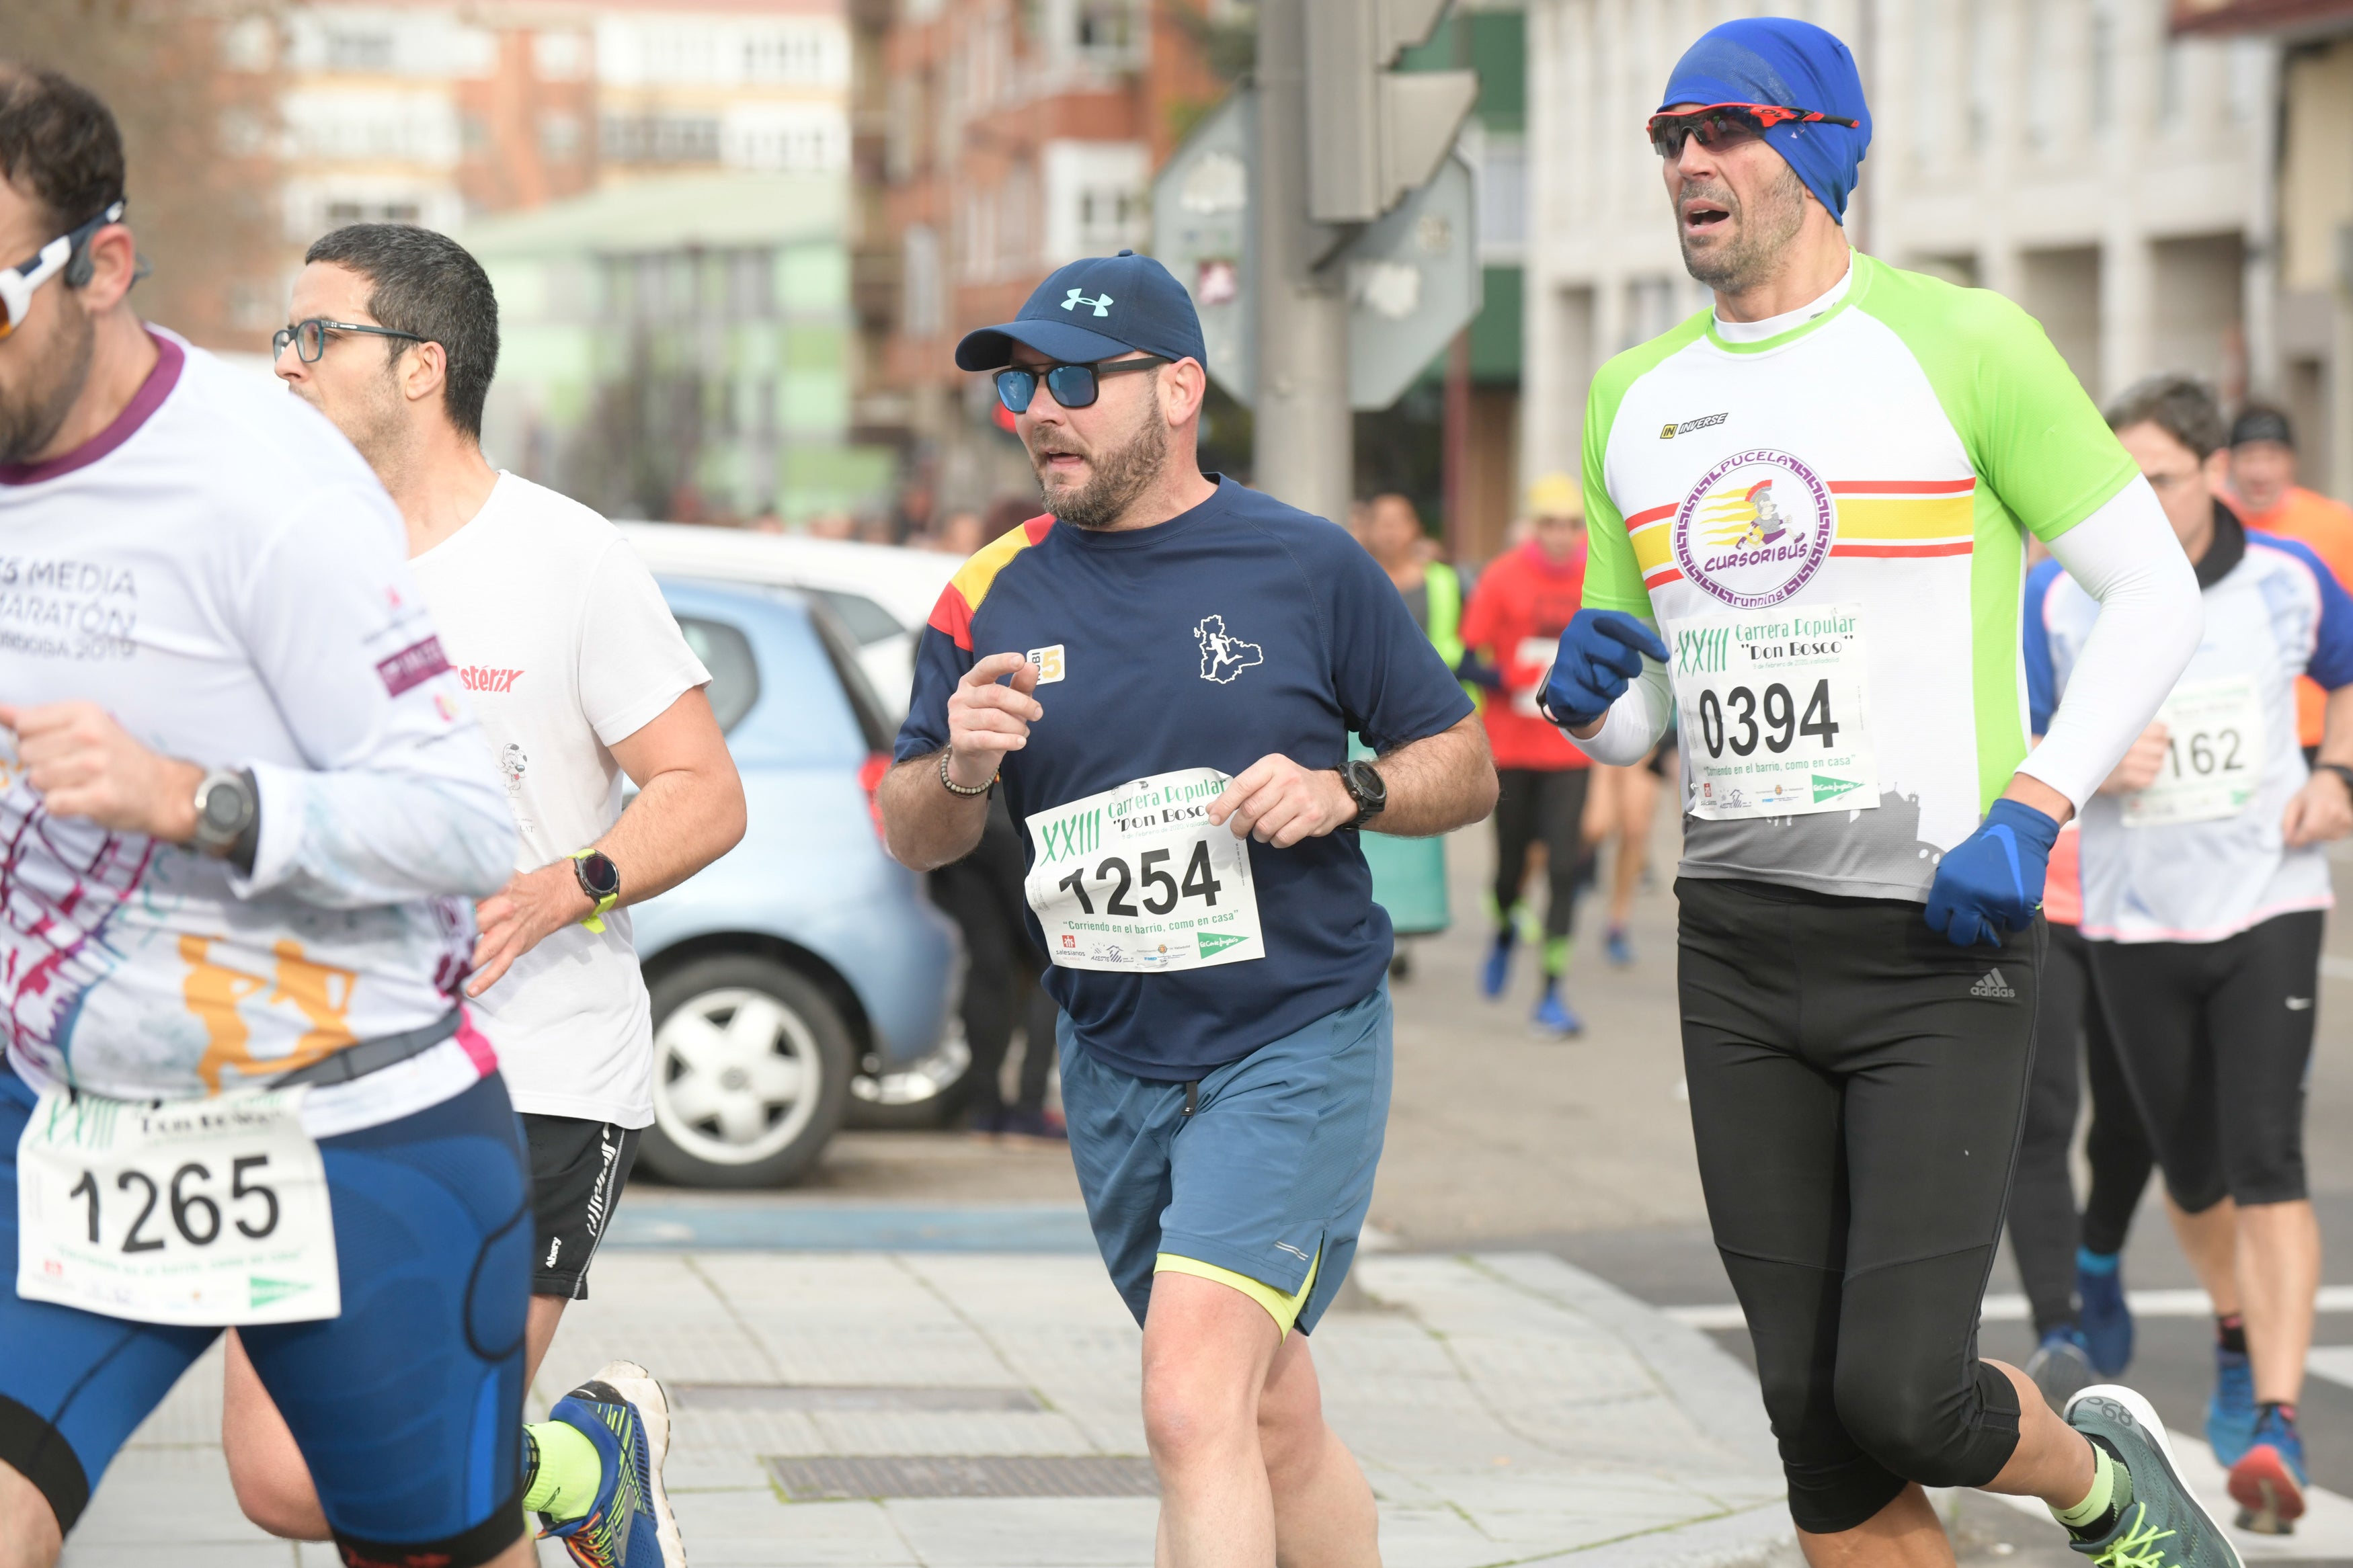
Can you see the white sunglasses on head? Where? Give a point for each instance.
(17, 283)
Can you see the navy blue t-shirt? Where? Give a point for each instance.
(1240, 629)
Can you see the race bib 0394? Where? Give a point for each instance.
(1775, 712)
(191, 1212)
(1137, 880)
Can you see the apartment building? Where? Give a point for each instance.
(436, 112)
(1004, 140)
(2114, 177)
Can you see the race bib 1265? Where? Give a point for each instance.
(190, 1212)
(1137, 880)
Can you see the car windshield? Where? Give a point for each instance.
(726, 653)
(865, 622)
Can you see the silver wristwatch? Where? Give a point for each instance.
(228, 805)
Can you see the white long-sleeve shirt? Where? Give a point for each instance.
(221, 570)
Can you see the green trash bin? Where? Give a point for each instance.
(1409, 873)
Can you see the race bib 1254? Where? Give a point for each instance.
(1137, 880)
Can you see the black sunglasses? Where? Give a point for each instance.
(1073, 385)
(310, 337)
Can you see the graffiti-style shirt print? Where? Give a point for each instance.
(221, 572)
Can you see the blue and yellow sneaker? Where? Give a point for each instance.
(2231, 1413)
(624, 1413)
(2267, 1483)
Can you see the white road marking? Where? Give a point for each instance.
(2012, 1309)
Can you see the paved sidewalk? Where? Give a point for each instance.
(1509, 1410)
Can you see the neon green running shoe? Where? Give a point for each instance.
(2162, 1524)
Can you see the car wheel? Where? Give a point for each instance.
(916, 1098)
(752, 1068)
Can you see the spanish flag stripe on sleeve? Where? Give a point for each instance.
(961, 599)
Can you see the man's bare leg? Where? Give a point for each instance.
(1323, 1512)
(1906, 1533)
(1206, 1351)
(29, 1536)
(265, 1466)
(2209, 1239)
(2279, 1279)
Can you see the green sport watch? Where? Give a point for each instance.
(601, 880)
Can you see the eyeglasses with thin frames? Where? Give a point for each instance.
(310, 337)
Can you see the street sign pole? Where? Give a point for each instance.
(1303, 449)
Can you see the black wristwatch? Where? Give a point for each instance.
(601, 880)
(2339, 769)
(1363, 783)
(229, 817)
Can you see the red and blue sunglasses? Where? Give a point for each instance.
(1718, 124)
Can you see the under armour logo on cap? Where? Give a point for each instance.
(1069, 317)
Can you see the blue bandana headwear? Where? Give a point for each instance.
(1796, 65)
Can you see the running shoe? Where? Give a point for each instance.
(2230, 1414)
(623, 1412)
(1552, 1018)
(1619, 948)
(2267, 1483)
(2162, 1524)
(2060, 1368)
(2107, 1318)
(1497, 972)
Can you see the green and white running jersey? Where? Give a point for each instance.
(1829, 526)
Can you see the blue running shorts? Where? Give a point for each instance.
(1257, 1174)
(407, 1406)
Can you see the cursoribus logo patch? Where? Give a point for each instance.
(1755, 529)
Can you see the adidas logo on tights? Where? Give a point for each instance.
(1993, 985)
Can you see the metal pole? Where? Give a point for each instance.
(1303, 450)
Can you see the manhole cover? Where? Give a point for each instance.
(812, 1396)
(843, 1477)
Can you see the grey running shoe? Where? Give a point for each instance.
(2164, 1525)
(2060, 1367)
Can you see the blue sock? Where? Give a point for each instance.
(2091, 1262)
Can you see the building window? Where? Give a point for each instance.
(660, 138)
(559, 137)
(359, 49)
(922, 310)
(342, 213)
(563, 57)
(1503, 199)
(1109, 34)
(250, 44)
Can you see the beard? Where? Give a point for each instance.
(1760, 237)
(1120, 474)
(30, 419)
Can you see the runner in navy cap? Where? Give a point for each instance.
(1186, 659)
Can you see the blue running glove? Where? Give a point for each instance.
(1991, 881)
(1600, 654)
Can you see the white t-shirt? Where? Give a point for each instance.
(566, 647)
(221, 571)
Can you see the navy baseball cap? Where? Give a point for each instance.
(1096, 309)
